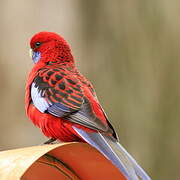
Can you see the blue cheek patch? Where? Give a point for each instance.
(36, 56)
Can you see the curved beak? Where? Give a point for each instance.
(31, 53)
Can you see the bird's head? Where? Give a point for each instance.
(49, 47)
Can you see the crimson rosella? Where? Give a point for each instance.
(63, 103)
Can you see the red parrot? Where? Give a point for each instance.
(63, 103)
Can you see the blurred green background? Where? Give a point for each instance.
(130, 52)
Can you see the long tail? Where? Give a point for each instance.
(115, 153)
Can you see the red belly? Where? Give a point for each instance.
(51, 126)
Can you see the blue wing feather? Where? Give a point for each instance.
(84, 116)
(40, 103)
(59, 110)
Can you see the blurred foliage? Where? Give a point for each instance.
(128, 49)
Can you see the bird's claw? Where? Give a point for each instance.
(50, 141)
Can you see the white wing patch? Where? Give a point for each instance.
(39, 102)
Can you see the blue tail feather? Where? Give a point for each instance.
(112, 150)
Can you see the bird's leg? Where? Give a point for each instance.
(50, 141)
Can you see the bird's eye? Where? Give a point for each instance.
(37, 44)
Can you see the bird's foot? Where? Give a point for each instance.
(50, 141)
